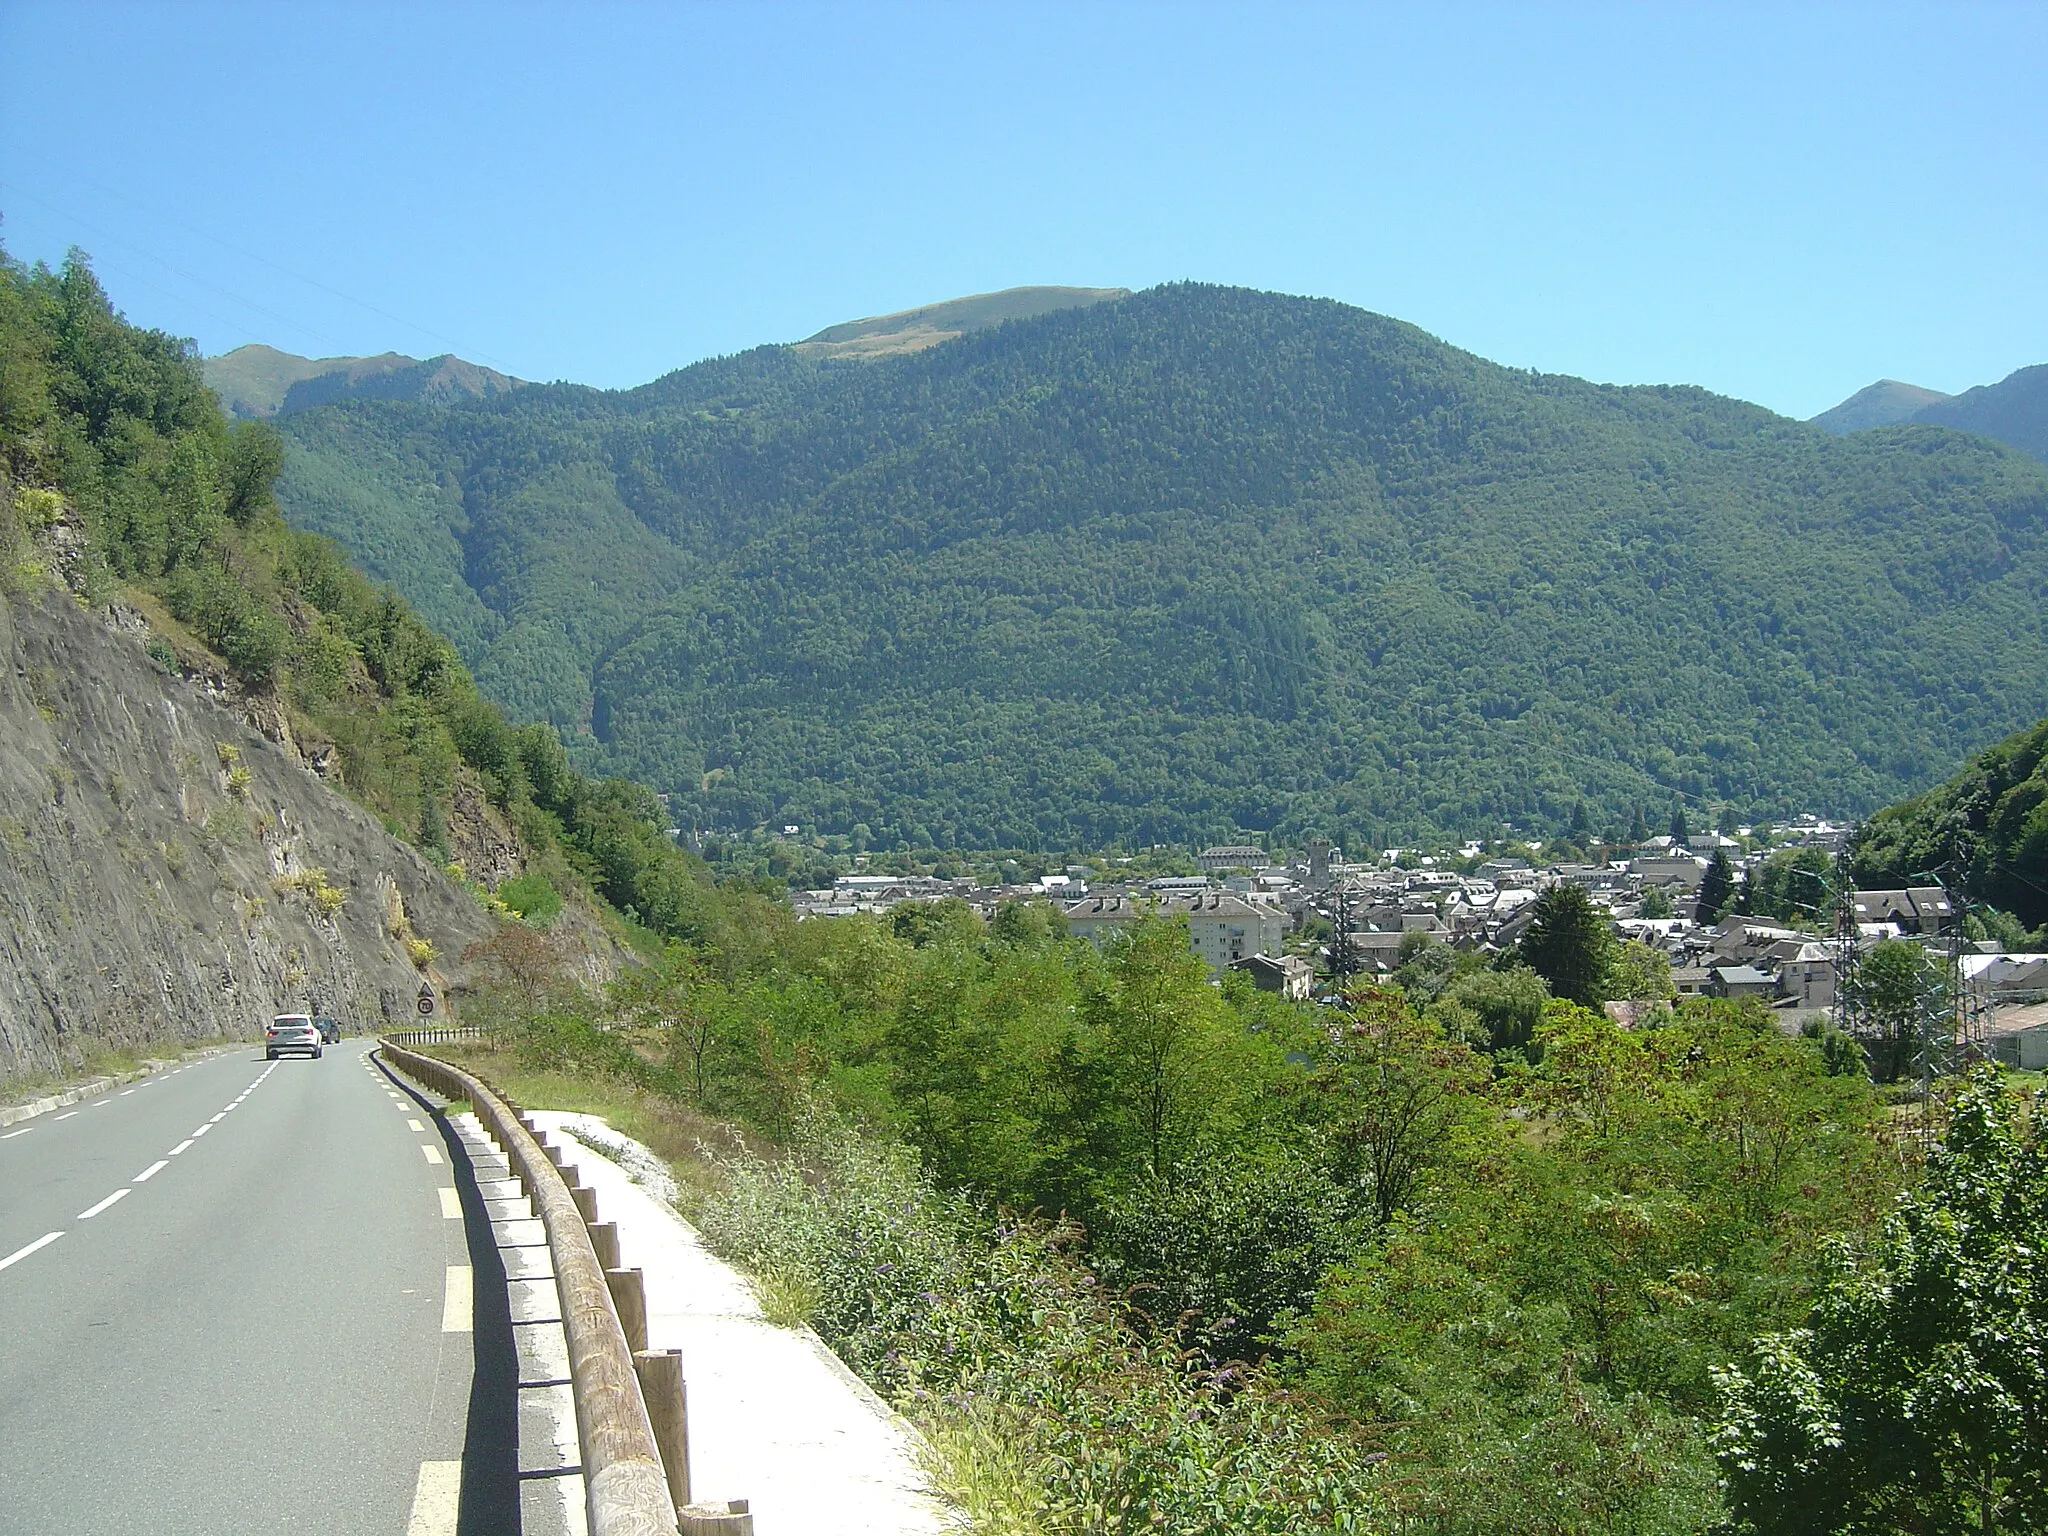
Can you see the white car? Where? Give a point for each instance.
(291, 1032)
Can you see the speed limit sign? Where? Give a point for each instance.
(426, 1004)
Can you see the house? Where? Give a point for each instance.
(1740, 981)
(1679, 869)
(1922, 909)
(1288, 975)
(1690, 980)
(1217, 861)
(2019, 1037)
(1222, 927)
(1806, 973)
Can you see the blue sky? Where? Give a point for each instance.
(1780, 202)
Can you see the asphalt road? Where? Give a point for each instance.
(258, 1316)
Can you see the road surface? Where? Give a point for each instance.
(241, 1297)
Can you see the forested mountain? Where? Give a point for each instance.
(1200, 559)
(2014, 410)
(1883, 404)
(256, 380)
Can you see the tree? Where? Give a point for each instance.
(1681, 834)
(1656, 903)
(1507, 1004)
(1914, 1399)
(1893, 984)
(1638, 973)
(1567, 944)
(663, 995)
(1639, 829)
(1581, 825)
(1394, 1094)
(1717, 889)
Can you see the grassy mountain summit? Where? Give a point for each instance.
(912, 330)
(257, 381)
(1197, 560)
(1883, 404)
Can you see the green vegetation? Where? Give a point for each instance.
(1140, 1252)
(1201, 561)
(175, 510)
(1913, 1399)
(1988, 824)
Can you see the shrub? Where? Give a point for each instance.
(533, 896)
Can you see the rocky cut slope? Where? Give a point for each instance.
(167, 871)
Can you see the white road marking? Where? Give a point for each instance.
(67, 1115)
(124, 1093)
(432, 1154)
(21, 1253)
(451, 1203)
(216, 1120)
(458, 1304)
(181, 1146)
(414, 1125)
(103, 1103)
(436, 1499)
(12, 1134)
(151, 1171)
(92, 1211)
(202, 1130)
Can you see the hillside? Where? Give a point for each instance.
(912, 330)
(235, 775)
(1988, 823)
(258, 381)
(1197, 560)
(2014, 410)
(1883, 404)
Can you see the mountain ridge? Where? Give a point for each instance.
(258, 381)
(2014, 411)
(1197, 560)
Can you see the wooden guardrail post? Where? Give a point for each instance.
(661, 1388)
(729, 1519)
(604, 1240)
(629, 1297)
(586, 1201)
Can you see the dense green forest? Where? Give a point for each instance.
(1201, 560)
(1986, 828)
(116, 423)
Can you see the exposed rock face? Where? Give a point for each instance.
(158, 859)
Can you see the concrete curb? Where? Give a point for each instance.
(93, 1087)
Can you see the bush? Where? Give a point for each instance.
(1033, 1391)
(533, 896)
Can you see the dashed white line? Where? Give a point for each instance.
(67, 1115)
(216, 1120)
(458, 1304)
(10, 1135)
(124, 1093)
(93, 1210)
(150, 1172)
(436, 1499)
(451, 1203)
(181, 1146)
(202, 1130)
(414, 1125)
(21, 1253)
(432, 1154)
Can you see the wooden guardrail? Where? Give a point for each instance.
(436, 1034)
(626, 1490)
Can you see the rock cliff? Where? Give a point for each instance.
(169, 872)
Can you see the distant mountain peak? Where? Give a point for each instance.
(262, 381)
(912, 330)
(1883, 404)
